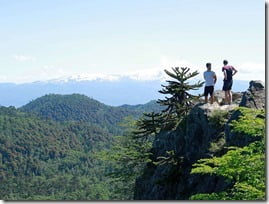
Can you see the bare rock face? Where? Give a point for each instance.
(192, 142)
(204, 134)
(254, 97)
(220, 97)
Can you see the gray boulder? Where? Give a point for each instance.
(254, 97)
(220, 97)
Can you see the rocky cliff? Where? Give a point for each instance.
(205, 133)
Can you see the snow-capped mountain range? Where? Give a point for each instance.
(112, 90)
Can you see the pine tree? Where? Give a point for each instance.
(149, 124)
(177, 105)
(180, 100)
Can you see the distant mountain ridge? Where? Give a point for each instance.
(151, 106)
(115, 93)
(111, 92)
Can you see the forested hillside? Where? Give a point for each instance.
(49, 148)
(151, 106)
(42, 159)
(79, 108)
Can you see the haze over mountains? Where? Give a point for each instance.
(110, 91)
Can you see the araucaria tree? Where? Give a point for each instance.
(177, 104)
(148, 125)
(180, 100)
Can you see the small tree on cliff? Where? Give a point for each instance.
(180, 100)
(177, 105)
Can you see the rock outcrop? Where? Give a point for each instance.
(254, 97)
(204, 134)
(220, 96)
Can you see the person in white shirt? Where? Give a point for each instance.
(210, 81)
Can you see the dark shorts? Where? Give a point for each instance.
(227, 85)
(209, 90)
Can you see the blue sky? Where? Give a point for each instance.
(46, 39)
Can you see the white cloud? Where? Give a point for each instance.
(92, 77)
(246, 71)
(3, 78)
(168, 62)
(158, 73)
(51, 71)
(23, 58)
(250, 71)
(147, 74)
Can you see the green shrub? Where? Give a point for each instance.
(245, 166)
(218, 118)
(218, 145)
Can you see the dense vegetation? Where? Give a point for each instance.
(151, 106)
(127, 158)
(244, 166)
(49, 149)
(42, 159)
(78, 107)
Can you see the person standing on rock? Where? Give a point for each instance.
(210, 81)
(228, 71)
